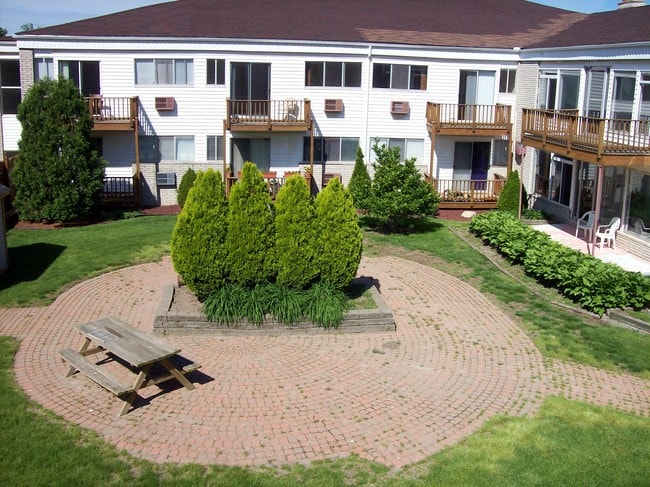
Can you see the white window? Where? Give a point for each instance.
(331, 149)
(166, 148)
(44, 68)
(216, 72)
(319, 73)
(215, 148)
(507, 80)
(399, 76)
(164, 71)
(408, 148)
(9, 87)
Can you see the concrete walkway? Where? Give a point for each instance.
(397, 397)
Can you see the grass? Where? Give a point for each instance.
(43, 262)
(566, 443)
(557, 332)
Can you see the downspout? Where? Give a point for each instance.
(599, 189)
(369, 85)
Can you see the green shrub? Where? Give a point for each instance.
(225, 304)
(295, 234)
(58, 175)
(198, 247)
(325, 305)
(399, 194)
(360, 183)
(594, 285)
(340, 241)
(509, 198)
(184, 187)
(251, 234)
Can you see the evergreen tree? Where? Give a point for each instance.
(251, 232)
(509, 198)
(58, 175)
(184, 187)
(399, 193)
(198, 245)
(340, 241)
(295, 234)
(360, 183)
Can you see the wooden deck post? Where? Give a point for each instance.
(136, 130)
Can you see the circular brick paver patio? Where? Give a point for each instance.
(394, 397)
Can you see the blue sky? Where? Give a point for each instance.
(43, 13)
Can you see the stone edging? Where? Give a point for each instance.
(168, 322)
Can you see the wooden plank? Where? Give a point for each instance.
(95, 373)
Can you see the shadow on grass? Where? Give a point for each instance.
(29, 262)
(401, 226)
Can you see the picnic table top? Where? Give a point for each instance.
(136, 347)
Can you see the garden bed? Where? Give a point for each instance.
(180, 313)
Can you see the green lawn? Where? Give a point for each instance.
(43, 262)
(566, 443)
(558, 333)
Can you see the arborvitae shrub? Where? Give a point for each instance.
(360, 183)
(399, 193)
(58, 174)
(184, 187)
(340, 239)
(251, 233)
(509, 198)
(198, 245)
(295, 234)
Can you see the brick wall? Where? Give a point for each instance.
(26, 58)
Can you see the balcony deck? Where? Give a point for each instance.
(467, 194)
(113, 113)
(606, 142)
(455, 119)
(268, 115)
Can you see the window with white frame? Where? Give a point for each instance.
(325, 73)
(164, 71)
(408, 148)
(215, 148)
(624, 86)
(84, 75)
(553, 178)
(399, 76)
(166, 148)
(500, 154)
(216, 72)
(331, 149)
(9, 87)
(507, 80)
(43, 68)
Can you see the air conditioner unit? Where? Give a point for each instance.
(165, 103)
(166, 179)
(334, 105)
(399, 107)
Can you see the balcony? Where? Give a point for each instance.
(112, 113)
(455, 119)
(268, 115)
(606, 142)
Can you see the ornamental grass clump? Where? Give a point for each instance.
(224, 305)
(251, 233)
(325, 304)
(198, 245)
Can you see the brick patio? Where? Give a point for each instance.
(396, 397)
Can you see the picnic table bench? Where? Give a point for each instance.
(152, 359)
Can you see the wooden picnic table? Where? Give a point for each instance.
(153, 360)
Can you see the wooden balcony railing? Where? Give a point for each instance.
(268, 114)
(119, 191)
(273, 181)
(468, 117)
(589, 135)
(112, 113)
(468, 193)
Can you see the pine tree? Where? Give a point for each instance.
(360, 183)
(295, 234)
(251, 232)
(509, 198)
(184, 187)
(58, 175)
(340, 241)
(198, 245)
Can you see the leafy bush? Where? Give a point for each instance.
(295, 234)
(325, 304)
(340, 240)
(198, 247)
(360, 183)
(399, 194)
(184, 187)
(593, 284)
(58, 175)
(251, 234)
(533, 214)
(509, 197)
(224, 305)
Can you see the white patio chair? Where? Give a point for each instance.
(608, 232)
(586, 223)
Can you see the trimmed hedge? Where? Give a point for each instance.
(198, 241)
(509, 198)
(595, 285)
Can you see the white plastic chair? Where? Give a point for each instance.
(586, 223)
(608, 232)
